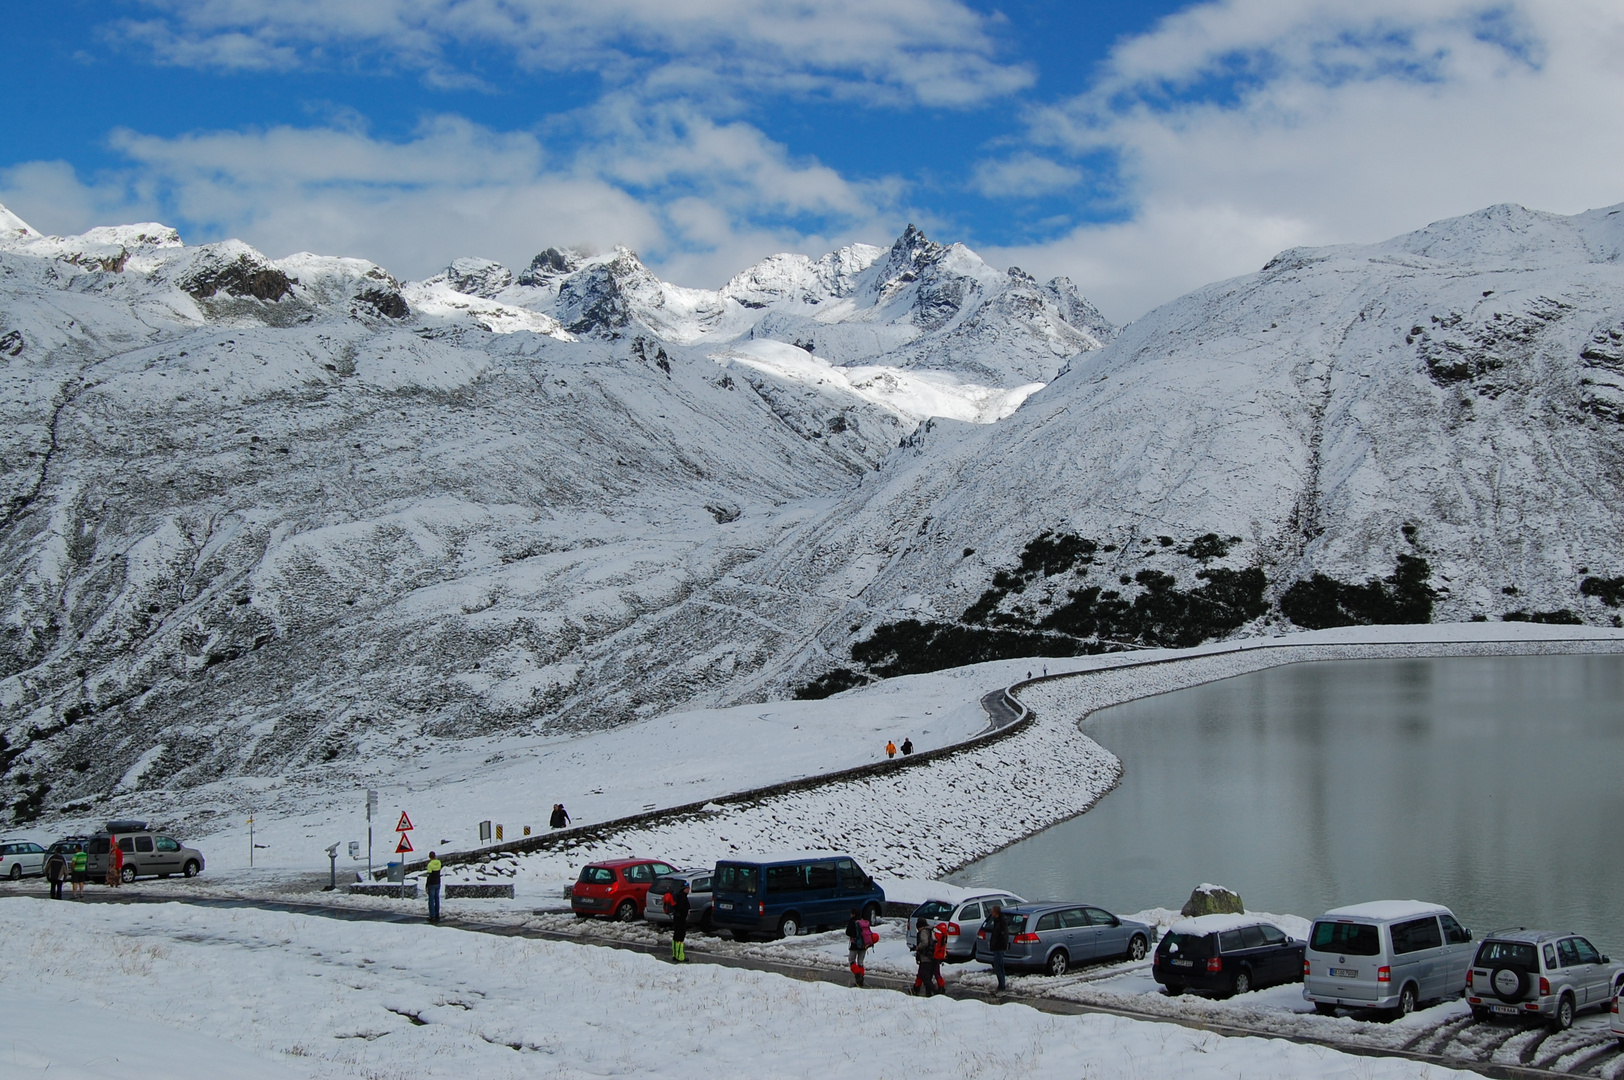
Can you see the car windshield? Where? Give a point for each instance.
(933, 910)
(1195, 946)
(734, 879)
(597, 875)
(1508, 952)
(1354, 939)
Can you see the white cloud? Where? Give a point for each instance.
(1022, 175)
(939, 52)
(698, 198)
(1347, 123)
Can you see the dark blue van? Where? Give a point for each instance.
(780, 895)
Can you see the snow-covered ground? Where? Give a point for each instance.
(176, 991)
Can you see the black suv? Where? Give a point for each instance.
(1226, 954)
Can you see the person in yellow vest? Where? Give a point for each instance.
(81, 870)
(432, 883)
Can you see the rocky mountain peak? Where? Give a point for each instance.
(548, 267)
(481, 277)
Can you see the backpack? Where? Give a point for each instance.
(939, 943)
(866, 934)
(668, 904)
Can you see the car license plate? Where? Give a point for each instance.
(1184, 963)
(1344, 973)
(1506, 1010)
(725, 905)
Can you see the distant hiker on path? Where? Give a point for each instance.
(56, 872)
(561, 817)
(432, 883)
(997, 927)
(862, 938)
(890, 749)
(907, 747)
(677, 905)
(80, 870)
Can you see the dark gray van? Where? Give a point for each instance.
(780, 895)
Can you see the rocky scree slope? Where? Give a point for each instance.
(266, 517)
(1430, 427)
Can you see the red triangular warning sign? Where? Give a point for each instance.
(405, 823)
(404, 846)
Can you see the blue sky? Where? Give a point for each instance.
(1140, 148)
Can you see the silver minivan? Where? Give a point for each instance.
(1390, 955)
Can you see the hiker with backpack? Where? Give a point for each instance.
(907, 747)
(924, 950)
(561, 816)
(996, 926)
(431, 885)
(56, 872)
(676, 904)
(862, 938)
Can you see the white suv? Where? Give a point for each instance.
(1537, 973)
(20, 858)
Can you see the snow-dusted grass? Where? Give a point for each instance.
(256, 994)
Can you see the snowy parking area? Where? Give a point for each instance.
(176, 991)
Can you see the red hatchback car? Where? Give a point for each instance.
(617, 888)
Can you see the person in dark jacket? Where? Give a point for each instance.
(925, 957)
(680, 907)
(561, 817)
(857, 930)
(56, 872)
(996, 924)
(431, 883)
(907, 747)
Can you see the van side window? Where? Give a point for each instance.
(143, 844)
(1454, 932)
(700, 884)
(1252, 937)
(786, 878)
(1587, 951)
(1072, 918)
(971, 913)
(821, 875)
(126, 844)
(1099, 917)
(851, 878)
(1230, 941)
(1272, 935)
(1416, 934)
(1568, 952)
(1050, 921)
(166, 844)
(1550, 958)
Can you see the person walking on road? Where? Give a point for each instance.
(431, 883)
(862, 937)
(677, 899)
(925, 957)
(561, 816)
(80, 869)
(890, 749)
(56, 872)
(115, 862)
(907, 747)
(996, 924)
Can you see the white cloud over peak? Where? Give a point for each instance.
(1245, 126)
(938, 52)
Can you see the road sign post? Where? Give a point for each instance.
(372, 806)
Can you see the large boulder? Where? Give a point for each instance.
(1212, 900)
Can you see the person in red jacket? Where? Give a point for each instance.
(115, 862)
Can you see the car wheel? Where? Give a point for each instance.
(192, 869)
(872, 913)
(1242, 983)
(1137, 947)
(626, 912)
(1059, 962)
(1564, 1014)
(1407, 1000)
(1325, 1008)
(17, 872)
(789, 926)
(127, 875)
(1174, 989)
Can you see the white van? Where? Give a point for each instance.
(1390, 954)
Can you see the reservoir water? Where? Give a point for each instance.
(1488, 784)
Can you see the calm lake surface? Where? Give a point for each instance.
(1489, 784)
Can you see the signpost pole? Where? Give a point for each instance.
(250, 841)
(372, 804)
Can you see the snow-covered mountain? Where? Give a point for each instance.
(289, 517)
(260, 515)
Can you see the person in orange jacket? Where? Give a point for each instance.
(890, 749)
